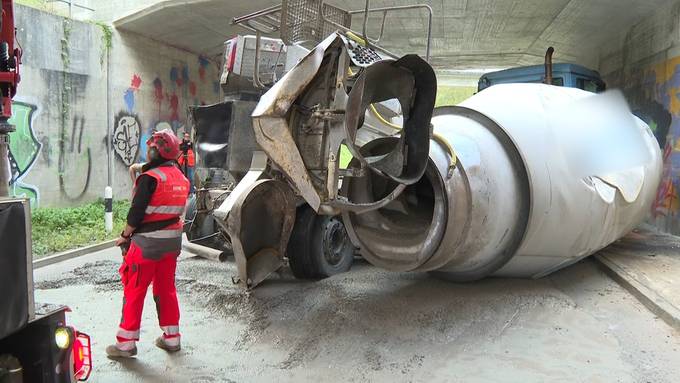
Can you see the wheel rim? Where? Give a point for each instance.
(334, 242)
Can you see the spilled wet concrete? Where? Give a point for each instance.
(371, 325)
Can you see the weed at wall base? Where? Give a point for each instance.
(60, 229)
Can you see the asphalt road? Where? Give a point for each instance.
(371, 325)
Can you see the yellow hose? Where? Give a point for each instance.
(383, 119)
(435, 136)
(447, 145)
(356, 38)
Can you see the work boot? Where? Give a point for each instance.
(113, 351)
(161, 343)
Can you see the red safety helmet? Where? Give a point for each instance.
(166, 143)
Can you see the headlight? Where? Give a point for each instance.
(62, 338)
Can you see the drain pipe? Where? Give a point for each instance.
(204, 251)
(108, 191)
(548, 65)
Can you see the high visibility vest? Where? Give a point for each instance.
(190, 158)
(167, 202)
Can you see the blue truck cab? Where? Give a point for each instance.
(569, 75)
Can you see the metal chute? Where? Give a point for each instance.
(302, 121)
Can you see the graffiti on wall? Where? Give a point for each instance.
(203, 64)
(173, 101)
(75, 162)
(170, 94)
(129, 96)
(158, 95)
(24, 148)
(655, 98)
(126, 137)
(74, 166)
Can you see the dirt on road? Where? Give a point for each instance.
(373, 325)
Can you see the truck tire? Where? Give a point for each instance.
(10, 369)
(319, 246)
(200, 228)
(190, 213)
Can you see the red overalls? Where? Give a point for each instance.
(152, 258)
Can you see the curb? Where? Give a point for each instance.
(657, 304)
(68, 254)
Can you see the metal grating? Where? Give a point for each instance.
(301, 22)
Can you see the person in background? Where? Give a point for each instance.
(187, 159)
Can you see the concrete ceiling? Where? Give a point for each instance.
(466, 33)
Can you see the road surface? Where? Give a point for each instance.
(371, 325)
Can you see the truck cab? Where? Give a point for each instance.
(564, 74)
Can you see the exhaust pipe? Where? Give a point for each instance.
(548, 65)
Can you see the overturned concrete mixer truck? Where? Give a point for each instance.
(519, 180)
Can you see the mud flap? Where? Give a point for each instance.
(259, 225)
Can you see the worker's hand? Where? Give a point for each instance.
(122, 241)
(134, 169)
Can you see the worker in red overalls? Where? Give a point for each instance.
(153, 238)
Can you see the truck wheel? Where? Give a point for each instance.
(200, 228)
(10, 369)
(319, 246)
(190, 213)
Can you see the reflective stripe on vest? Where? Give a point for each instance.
(158, 173)
(170, 196)
(165, 209)
(164, 233)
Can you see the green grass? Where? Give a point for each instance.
(60, 229)
(40, 4)
(452, 95)
(55, 8)
(345, 157)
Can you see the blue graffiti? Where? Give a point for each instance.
(203, 61)
(129, 98)
(174, 74)
(185, 73)
(142, 148)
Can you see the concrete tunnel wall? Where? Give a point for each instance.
(61, 108)
(59, 155)
(645, 64)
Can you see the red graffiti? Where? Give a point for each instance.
(201, 73)
(192, 88)
(667, 200)
(158, 94)
(136, 82)
(158, 90)
(174, 107)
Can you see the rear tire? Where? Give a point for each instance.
(319, 246)
(10, 369)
